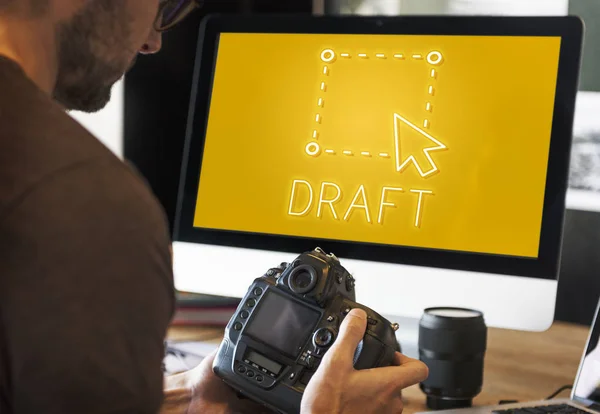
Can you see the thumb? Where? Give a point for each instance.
(203, 369)
(352, 331)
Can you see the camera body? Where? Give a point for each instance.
(285, 324)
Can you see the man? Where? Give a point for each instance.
(86, 286)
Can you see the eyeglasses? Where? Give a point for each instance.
(172, 12)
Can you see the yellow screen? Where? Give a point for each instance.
(426, 141)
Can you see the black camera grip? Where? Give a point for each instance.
(372, 353)
(379, 343)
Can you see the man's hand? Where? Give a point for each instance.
(337, 387)
(201, 391)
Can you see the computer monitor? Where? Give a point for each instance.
(430, 154)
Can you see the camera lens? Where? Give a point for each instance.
(303, 279)
(452, 343)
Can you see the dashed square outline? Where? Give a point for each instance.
(434, 58)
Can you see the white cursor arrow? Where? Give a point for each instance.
(404, 159)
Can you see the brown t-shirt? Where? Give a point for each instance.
(86, 284)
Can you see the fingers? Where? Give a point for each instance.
(211, 357)
(406, 372)
(400, 359)
(352, 331)
(409, 372)
(338, 360)
(201, 371)
(206, 365)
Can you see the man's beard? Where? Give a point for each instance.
(84, 80)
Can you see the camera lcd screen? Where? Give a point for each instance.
(282, 323)
(264, 362)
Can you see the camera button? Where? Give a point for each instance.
(306, 377)
(371, 321)
(250, 303)
(250, 374)
(258, 291)
(237, 326)
(323, 337)
(241, 369)
(259, 378)
(244, 314)
(349, 283)
(310, 362)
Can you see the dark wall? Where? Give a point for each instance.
(157, 93)
(579, 280)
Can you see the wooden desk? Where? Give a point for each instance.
(518, 365)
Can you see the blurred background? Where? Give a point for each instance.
(145, 120)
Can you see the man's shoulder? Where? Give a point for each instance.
(82, 191)
(59, 183)
(38, 139)
(46, 145)
(95, 215)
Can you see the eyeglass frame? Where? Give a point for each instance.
(181, 14)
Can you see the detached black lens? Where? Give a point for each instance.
(303, 279)
(452, 343)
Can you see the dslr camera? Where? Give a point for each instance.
(286, 323)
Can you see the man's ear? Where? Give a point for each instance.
(153, 43)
